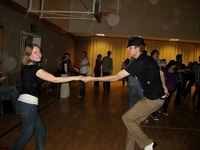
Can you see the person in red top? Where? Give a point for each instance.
(97, 69)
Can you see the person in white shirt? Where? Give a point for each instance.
(83, 71)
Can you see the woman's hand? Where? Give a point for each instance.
(86, 78)
(166, 91)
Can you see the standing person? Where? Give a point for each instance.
(148, 73)
(170, 73)
(107, 67)
(97, 69)
(179, 80)
(83, 71)
(27, 104)
(197, 84)
(155, 56)
(65, 66)
(124, 65)
(191, 79)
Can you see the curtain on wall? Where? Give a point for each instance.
(168, 50)
(100, 45)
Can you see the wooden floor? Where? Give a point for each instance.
(94, 122)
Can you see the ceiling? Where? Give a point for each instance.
(67, 14)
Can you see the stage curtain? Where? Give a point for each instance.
(168, 50)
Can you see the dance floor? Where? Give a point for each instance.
(93, 122)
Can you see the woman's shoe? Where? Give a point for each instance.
(166, 114)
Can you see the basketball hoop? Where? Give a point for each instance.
(112, 19)
(105, 14)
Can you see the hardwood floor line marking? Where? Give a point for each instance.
(171, 128)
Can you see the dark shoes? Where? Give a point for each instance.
(151, 146)
(184, 95)
(106, 91)
(197, 111)
(178, 104)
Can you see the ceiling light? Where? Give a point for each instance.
(173, 40)
(137, 36)
(99, 34)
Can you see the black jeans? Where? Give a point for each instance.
(82, 90)
(97, 74)
(198, 95)
(167, 101)
(106, 85)
(179, 91)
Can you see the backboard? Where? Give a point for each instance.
(97, 10)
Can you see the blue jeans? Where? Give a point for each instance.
(135, 90)
(12, 92)
(31, 122)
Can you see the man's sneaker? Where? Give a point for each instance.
(151, 146)
(154, 117)
(79, 95)
(165, 113)
(159, 111)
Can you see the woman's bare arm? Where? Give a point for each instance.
(162, 77)
(51, 78)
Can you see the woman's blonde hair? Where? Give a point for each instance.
(28, 51)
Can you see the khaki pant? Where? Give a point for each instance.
(134, 117)
(64, 88)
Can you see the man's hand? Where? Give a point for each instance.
(86, 79)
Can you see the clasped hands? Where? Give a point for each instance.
(86, 78)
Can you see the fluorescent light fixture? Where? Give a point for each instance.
(137, 36)
(174, 40)
(99, 34)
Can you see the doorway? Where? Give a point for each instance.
(26, 39)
